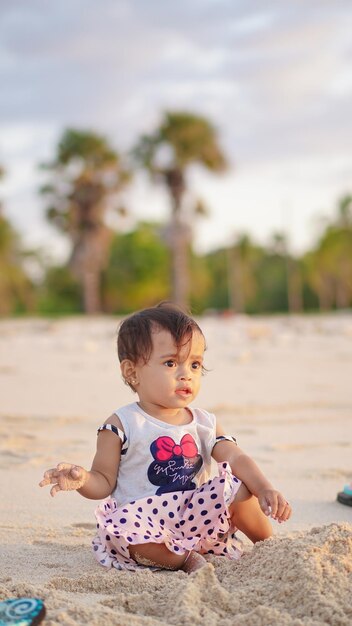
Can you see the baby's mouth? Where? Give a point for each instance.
(184, 391)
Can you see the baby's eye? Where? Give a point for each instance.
(196, 365)
(170, 363)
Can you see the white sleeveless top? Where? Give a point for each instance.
(161, 458)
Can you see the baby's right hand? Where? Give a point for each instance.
(65, 477)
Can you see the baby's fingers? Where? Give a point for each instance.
(54, 490)
(286, 513)
(48, 477)
(265, 505)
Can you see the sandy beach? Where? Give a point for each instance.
(281, 385)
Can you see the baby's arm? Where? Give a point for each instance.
(100, 481)
(271, 502)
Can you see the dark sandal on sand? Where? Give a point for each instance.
(345, 496)
(21, 612)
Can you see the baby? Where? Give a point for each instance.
(160, 507)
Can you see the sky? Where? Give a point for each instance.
(273, 77)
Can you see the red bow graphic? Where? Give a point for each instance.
(166, 448)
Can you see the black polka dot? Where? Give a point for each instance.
(212, 488)
(109, 521)
(218, 505)
(186, 500)
(222, 480)
(175, 496)
(149, 519)
(171, 514)
(138, 516)
(193, 529)
(176, 548)
(204, 512)
(201, 490)
(190, 506)
(182, 522)
(207, 521)
(210, 531)
(210, 551)
(155, 511)
(113, 551)
(213, 496)
(124, 510)
(140, 509)
(137, 524)
(107, 537)
(128, 539)
(123, 520)
(97, 525)
(201, 500)
(177, 525)
(132, 501)
(95, 548)
(150, 500)
(178, 508)
(165, 503)
(162, 522)
(146, 537)
(191, 517)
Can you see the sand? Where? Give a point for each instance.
(280, 385)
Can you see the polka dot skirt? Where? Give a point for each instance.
(182, 520)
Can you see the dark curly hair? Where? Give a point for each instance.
(134, 341)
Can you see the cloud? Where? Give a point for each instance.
(275, 78)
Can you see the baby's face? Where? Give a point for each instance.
(171, 378)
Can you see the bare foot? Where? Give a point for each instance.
(193, 562)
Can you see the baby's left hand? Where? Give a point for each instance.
(274, 504)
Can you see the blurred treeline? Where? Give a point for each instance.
(118, 272)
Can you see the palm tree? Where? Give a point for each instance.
(181, 140)
(87, 176)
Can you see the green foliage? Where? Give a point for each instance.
(271, 294)
(138, 270)
(190, 139)
(16, 290)
(60, 293)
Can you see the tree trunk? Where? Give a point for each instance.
(91, 291)
(294, 287)
(179, 238)
(87, 260)
(179, 243)
(234, 280)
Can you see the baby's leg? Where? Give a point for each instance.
(158, 555)
(248, 517)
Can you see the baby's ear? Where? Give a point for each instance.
(128, 371)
